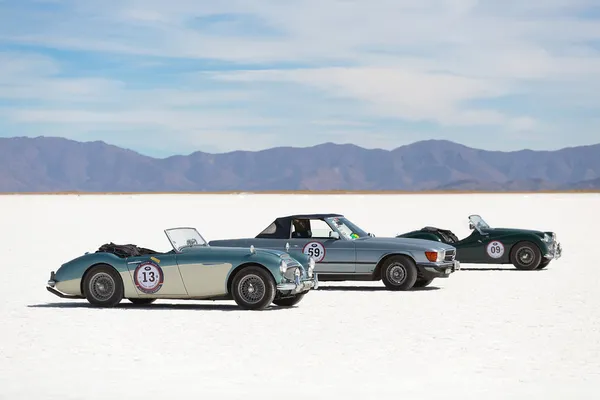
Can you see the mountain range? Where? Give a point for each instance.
(52, 164)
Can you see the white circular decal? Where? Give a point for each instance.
(148, 277)
(315, 250)
(495, 249)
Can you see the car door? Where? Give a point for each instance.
(156, 275)
(332, 254)
(472, 249)
(205, 271)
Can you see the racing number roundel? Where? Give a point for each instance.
(495, 249)
(148, 277)
(315, 250)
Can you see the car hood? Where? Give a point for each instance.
(240, 250)
(403, 243)
(512, 231)
(278, 253)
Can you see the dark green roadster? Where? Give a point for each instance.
(525, 249)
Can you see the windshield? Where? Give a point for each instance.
(184, 237)
(346, 228)
(478, 222)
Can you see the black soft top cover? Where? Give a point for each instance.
(125, 250)
(447, 236)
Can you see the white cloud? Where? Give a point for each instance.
(447, 62)
(401, 93)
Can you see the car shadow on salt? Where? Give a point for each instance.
(499, 269)
(157, 306)
(370, 289)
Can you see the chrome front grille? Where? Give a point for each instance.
(450, 255)
(289, 274)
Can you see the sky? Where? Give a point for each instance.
(173, 77)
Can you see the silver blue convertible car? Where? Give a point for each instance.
(343, 251)
(192, 270)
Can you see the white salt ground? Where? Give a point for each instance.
(479, 334)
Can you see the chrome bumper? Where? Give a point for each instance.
(52, 280)
(446, 267)
(556, 252)
(299, 286)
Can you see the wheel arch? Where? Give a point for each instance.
(511, 252)
(382, 260)
(243, 266)
(99, 264)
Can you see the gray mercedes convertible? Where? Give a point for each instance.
(343, 251)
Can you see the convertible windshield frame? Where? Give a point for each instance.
(478, 223)
(184, 237)
(346, 228)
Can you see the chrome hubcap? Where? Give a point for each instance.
(396, 274)
(525, 256)
(251, 288)
(102, 286)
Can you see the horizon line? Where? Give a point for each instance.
(305, 192)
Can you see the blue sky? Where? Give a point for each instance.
(165, 77)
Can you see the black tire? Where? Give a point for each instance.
(545, 262)
(102, 286)
(249, 280)
(399, 273)
(526, 256)
(289, 301)
(422, 282)
(142, 302)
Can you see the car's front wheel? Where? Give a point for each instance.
(102, 286)
(423, 282)
(289, 301)
(526, 256)
(544, 264)
(399, 273)
(253, 288)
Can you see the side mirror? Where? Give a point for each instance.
(370, 234)
(471, 227)
(334, 235)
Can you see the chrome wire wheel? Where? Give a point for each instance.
(526, 256)
(396, 273)
(251, 288)
(102, 286)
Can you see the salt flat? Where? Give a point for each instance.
(499, 334)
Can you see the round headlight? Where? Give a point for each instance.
(283, 266)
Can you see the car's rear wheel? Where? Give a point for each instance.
(526, 256)
(289, 301)
(102, 286)
(399, 273)
(253, 288)
(142, 302)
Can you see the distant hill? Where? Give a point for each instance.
(49, 164)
